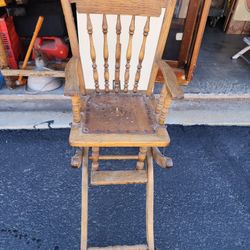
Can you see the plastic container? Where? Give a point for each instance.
(2, 81)
(11, 41)
(53, 47)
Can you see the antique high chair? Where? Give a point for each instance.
(117, 53)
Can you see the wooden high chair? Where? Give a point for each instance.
(117, 112)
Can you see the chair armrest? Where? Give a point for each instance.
(72, 79)
(170, 80)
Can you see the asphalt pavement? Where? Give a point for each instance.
(203, 202)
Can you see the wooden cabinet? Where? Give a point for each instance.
(193, 28)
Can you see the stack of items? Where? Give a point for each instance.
(44, 48)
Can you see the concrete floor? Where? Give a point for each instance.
(203, 202)
(216, 72)
(26, 114)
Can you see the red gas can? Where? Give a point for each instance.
(53, 47)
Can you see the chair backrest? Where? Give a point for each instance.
(119, 41)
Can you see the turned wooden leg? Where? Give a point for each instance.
(76, 109)
(150, 202)
(95, 158)
(76, 159)
(84, 210)
(141, 158)
(161, 100)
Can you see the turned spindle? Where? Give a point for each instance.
(165, 108)
(95, 158)
(93, 53)
(141, 54)
(129, 52)
(105, 52)
(76, 109)
(141, 158)
(161, 100)
(117, 54)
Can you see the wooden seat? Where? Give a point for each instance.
(118, 114)
(118, 120)
(111, 80)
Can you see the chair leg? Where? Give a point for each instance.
(95, 158)
(150, 202)
(84, 212)
(141, 158)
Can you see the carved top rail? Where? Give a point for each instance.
(132, 7)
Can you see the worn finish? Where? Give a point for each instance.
(114, 114)
(121, 119)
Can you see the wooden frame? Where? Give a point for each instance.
(83, 138)
(135, 7)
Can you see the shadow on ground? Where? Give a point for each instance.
(201, 203)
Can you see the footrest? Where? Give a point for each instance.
(136, 247)
(118, 177)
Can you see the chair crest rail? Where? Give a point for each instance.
(135, 7)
